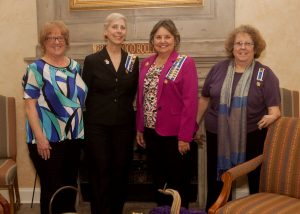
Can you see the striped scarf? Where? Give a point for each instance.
(232, 120)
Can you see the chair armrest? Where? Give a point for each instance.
(244, 168)
(229, 176)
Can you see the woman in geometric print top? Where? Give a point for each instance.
(54, 95)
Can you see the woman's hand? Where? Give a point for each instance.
(183, 147)
(140, 139)
(200, 136)
(43, 147)
(266, 120)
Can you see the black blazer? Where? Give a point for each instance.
(110, 94)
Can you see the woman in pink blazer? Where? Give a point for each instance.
(166, 111)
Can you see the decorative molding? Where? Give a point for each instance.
(130, 4)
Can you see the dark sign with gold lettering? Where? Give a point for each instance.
(139, 48)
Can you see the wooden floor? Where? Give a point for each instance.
(84, 208)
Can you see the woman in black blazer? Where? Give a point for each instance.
(111, 76)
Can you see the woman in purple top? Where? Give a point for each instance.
(239, 100)
(166, 111)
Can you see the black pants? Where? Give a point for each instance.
(60, 170)
(167, 165)
(254, 147)
(109, 151)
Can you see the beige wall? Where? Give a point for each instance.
(18, 38)
(277, 20)
(279, 23)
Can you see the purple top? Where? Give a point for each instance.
(263, 93)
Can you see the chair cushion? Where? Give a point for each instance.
(8, 171)
(267, 203)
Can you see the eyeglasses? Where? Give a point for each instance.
(241, 44)
(53, 38)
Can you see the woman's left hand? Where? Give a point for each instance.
(183, 147)
(266, 120)
(140, 139)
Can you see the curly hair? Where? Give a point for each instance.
(259, 42)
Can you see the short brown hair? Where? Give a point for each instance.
(169, 25)
(259, 42)
(48, 27)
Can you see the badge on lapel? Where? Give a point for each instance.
(106, 61)
(259, 77)
(130, 60)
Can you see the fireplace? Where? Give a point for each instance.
(140, 181)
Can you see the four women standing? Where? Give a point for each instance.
(239, 94)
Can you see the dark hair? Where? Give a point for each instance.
(169, 25)
(47, 29)
(259, 42)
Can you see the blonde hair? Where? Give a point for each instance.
(113, 17)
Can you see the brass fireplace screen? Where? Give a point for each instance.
(130, 4)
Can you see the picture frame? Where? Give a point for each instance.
(130, 4)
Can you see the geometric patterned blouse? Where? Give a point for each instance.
(61, 93)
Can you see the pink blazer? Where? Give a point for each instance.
(177, 100)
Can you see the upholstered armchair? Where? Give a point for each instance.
(289, 103)
(4, 205)
(8, 151)
(280, 175)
